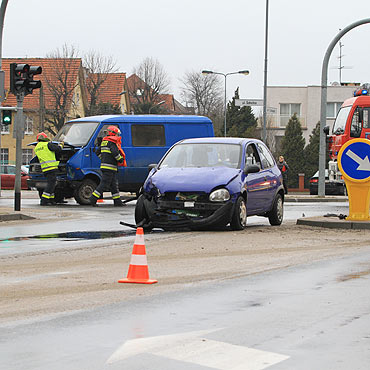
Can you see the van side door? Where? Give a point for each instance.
(147, 146)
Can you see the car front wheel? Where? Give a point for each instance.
(83, 193)
(140, 212)
(277, 212)
(239, 218)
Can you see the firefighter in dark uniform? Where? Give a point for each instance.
(283, 167)
(45, 151)
(112, 156)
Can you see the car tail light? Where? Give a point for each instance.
(312, 181)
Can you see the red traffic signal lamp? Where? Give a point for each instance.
(21, 78)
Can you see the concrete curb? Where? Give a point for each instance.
(334, 223)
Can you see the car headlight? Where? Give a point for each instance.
(219, 195)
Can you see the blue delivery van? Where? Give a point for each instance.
(145, 139)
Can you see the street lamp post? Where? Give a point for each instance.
(160, 103)
(244, 72)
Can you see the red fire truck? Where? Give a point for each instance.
(353, 121)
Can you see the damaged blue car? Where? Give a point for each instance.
(209, 183)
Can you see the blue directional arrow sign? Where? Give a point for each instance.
(354, 160)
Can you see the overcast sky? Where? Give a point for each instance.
(224, 36)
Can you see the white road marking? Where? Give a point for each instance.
(194, 348)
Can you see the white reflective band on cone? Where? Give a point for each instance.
(139, 239)
(138, 260)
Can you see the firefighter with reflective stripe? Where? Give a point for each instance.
(112, 156)
(45, 151)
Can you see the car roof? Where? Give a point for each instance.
(144, 118)
(219, 140)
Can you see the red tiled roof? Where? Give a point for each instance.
(111, 88)
(49, 68)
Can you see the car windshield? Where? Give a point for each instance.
(202, 155)
(340, 121)
(76, 134)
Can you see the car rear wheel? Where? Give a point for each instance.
(239, 218)
(83, 193)
(277, 212)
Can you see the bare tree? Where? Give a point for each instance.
(204, 92)
(148, 81)
(61, 82)
(98, 68)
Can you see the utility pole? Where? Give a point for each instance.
(324, 87)
(19, 133)
(264, 133)
(4, 3)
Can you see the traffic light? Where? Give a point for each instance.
(6, 117)
(30, 83)
(18, 77)
(21, 78)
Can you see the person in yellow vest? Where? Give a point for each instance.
(45, 151)
(112, 156)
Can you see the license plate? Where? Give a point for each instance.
(188, 204)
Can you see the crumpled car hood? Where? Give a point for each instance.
(192, 179)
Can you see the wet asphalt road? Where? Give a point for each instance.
(97, 225)
(315, 316)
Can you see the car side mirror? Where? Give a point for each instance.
(151, 166)
(326, 130)
(251, 168)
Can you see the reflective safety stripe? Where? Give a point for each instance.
(138, 260)
(49, 165)
(108, 166)
(105, 150)
(116, 196)
(118, 157)
(96, 194)
(47, 196)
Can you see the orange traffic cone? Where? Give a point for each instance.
(138, 271)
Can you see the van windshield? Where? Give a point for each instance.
(76, 134)
(340, 121)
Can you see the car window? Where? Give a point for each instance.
(266, 157)
(148, 135)
(203, 155)
(102, 133)
(11, 170)
(251, 155)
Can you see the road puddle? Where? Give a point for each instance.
(75, 235)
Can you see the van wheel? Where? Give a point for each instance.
(140, 211)
(83, 193)
(239, 218)
(277, 212)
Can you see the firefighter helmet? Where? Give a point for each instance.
(42, 137)
(113, 130)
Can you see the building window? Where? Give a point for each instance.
(76, 98)
(27, 155)
(28, 126)
(332, 109)
(4, 155)
(286, 112)
(5, 129)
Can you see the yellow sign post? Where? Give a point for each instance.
(354, 164)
